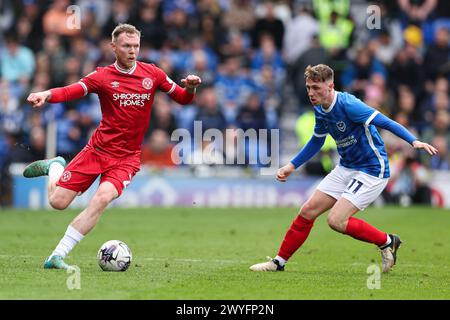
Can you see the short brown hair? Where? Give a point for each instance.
(319, 73)
(124, 27)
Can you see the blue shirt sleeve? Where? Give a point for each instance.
(357, 110)
(380, 120)
(320, 128)
(308, 151)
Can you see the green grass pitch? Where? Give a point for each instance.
(192, 253)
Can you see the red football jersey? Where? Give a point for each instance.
(126, 99)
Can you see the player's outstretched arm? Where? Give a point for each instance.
(307, 152)
(284, 172)
(191, 82)
(185, 95)
(71, 92)
(37, 99)
(427, 147)
(384, 122)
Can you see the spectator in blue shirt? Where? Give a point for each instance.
(17, 64)
(357, 75)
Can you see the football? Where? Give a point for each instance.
(114, 255)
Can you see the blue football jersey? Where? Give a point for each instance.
(358, 142)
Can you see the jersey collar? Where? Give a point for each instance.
(332, 104)
(122, 70)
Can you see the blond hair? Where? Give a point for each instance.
(319, 73)
(124, 28)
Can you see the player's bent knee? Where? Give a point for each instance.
(103, 199)
(58, 203)
(336, 223)
(308, 211)
(61, 198)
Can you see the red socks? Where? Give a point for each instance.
(295, 236)
(301, 227)
(363, 231)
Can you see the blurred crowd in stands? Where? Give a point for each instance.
(250, 55)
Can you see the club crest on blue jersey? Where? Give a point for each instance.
(341, 126)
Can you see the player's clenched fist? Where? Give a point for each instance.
(191, 81)
(285, 172)
(37, 99)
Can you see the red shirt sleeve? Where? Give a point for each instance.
(168, 86)
(89, 84)
(93, 81)
(71, 92)
(165, 84)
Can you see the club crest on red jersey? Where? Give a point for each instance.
(66, 176)
(147, 83)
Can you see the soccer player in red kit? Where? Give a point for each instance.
(126, 90)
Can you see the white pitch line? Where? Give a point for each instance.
(193, 260)
(7, 256)
(408, 265)
(230, 261)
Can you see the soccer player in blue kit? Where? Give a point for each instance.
(356, 182)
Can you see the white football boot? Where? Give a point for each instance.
(389, 253)
(271, 265)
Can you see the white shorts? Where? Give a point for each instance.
(358, 187)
